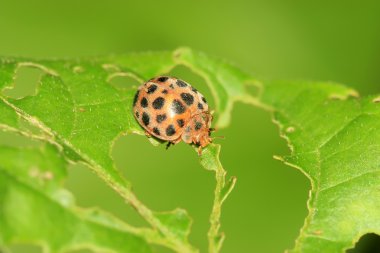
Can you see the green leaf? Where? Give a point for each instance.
(226, 82)
(9, 118)
(178, 221)
(35, 208)
(78, 108)
(210, 161)
(334, 138)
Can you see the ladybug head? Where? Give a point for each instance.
(198, 130)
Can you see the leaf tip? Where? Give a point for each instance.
(227, 189)
(279, 158)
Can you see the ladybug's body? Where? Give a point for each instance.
(171, 110)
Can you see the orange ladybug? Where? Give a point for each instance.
(172, 110)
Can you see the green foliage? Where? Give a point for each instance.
(79, 112)
(78, 109)
(35, 207)
(334, 138)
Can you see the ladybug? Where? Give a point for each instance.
(172, 110)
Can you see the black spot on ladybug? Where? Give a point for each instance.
(198, 125)
(158, 103)
(137, 114)
(171, 86)
(180, 122)
(165, 92)
(187, 98)
(181, 83)
(136, 97)
(162, 79)
(178, 107)
(160, 118)
(200, 106)
(204, 100)
(152, 89)
(145, 118)
(144, 102)
(170, 130)
(194, 90)
(156, 130)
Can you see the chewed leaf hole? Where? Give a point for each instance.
(25, 82)
(368, 243)
(16, 140)
(78, 173)
(123, 81)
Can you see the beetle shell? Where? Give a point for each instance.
(171, 109)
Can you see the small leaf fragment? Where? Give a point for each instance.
(210, 161)
(226, 190)
(210, 157)
(178, 221)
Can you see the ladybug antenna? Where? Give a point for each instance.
(211, 139)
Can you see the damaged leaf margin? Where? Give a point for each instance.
(74, 102)
(315, 118)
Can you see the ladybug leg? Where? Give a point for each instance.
(148, 134)
(200, 150)
(169, 144)
(173, 142)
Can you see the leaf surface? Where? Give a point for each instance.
(77, 108)
(333, 136)
(35, 208)
(334, 140)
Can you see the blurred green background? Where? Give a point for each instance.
(313, 40)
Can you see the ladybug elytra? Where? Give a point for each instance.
(172, 110)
